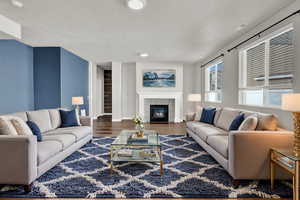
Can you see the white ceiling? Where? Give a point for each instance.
(169, 30)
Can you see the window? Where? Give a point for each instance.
(214, 82)
(267, 69)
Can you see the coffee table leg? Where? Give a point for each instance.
(161, 162)
(111, 162)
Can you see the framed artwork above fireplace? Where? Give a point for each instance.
(159, 78)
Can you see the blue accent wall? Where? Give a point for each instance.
(16, 77)
(47, 77)
(74, 79)
(40, 77)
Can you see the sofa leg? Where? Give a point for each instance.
(91, 141)
(235, 183)
(187, 135)
(27, 188)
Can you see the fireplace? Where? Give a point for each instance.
(159, 113)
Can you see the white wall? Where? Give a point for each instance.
(128, 90)
(189, 87)
(92, 89)
(230, 90)
(100, 92)
(116, 91)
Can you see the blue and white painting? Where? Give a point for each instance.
(159, 78)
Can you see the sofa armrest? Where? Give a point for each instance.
(190, 117)
(18, 155)
(249, 152)
(86, 121)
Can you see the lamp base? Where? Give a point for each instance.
(296, 118)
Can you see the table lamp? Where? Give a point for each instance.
(77, 101)
(291, 102)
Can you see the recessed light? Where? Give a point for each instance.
(136, 4)
(143, 55)
(17, 3)
(241, 27)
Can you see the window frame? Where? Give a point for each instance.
(242, 55)
(206, 83)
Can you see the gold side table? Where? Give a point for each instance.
(286, 159)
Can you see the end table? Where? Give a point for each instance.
(285, 159)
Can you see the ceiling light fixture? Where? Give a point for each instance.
(17, 3)
(144, 55)
(136, 4)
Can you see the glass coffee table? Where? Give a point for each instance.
(127, 147)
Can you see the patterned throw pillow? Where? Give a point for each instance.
(249, 124)
(20, 126)
(6, 127)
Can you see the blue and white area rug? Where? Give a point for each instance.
(189, 172)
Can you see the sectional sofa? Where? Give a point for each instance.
(23, 159)
(244, 154)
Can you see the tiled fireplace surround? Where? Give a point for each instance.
(173, 100)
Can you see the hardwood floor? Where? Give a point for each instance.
(105, 127)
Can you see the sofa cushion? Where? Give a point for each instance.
(208, 115)
(21, 115)
(35, 130)
(235, 124)
(68, 118)
(78, 131)
(198, 115)
(65, 139)
(6, 127)
(267, 122)
(249, 124)
(193, 124)
(226, 117)
(219, 143)
(55, 118)
(20, 126)
(206, 131)
(47, 149)
(217, 115)
(41, 118)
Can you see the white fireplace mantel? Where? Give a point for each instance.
(177, 96)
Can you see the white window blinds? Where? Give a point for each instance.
(256, 66)
(267, 69)
(282, 65)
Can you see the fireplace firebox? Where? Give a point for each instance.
(159, 113)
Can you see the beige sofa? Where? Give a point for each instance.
(23, 159)
(244, 154)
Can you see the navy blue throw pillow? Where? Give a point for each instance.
(68, 118)
(235, 124)
(35, 130)
(208, 115)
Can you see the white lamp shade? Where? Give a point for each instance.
(291, 102)
(77, 100)
(194, 97)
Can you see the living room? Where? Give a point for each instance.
(150, 99)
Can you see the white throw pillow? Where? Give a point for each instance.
(249, 124)
(20, 125)
(198, 115)
(6, 127)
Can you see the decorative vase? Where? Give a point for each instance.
(140, 130)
